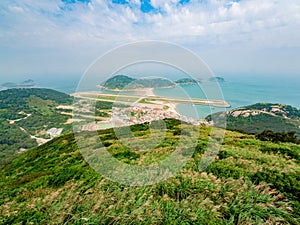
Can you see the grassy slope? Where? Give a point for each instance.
(52, 184)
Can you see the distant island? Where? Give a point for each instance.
(187, 81)
(217, 79)
(25, 84)
(121, 82)
(193, 81)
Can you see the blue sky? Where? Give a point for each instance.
(56, 37)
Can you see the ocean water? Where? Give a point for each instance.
(240, 91)
(236, 90)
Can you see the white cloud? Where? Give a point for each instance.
(102, 19)
(16, 9)
(163, 3)
(220, 24)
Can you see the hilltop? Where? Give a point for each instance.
(26, 115)
(251, 182)
(260, 117)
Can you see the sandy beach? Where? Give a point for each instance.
(145, 92)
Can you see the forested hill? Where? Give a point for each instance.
(25, 116)
(260, 117)
(251, 182)
(124, 82)
(18, 97)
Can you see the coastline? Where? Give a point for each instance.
(239, 91)
(190, 110)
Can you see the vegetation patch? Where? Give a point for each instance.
(246, 184)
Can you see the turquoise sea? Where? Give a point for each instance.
(237, 91)
(242, 91)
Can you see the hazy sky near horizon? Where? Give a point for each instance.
(63, 37)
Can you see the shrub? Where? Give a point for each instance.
(269, 135)
(292, 152)
(224, 154)
(127, 155)
(222, 170)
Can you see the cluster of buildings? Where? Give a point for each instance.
(138, 115)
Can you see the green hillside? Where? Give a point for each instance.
(118, 82)
(27, 112)
(260, 117)
(124, 82)
(251, 182)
